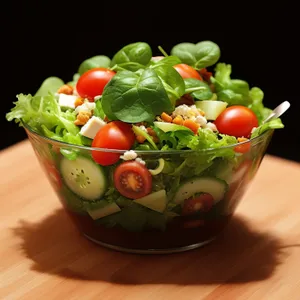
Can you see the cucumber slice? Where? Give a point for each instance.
(156, 201)
(212, 108)
(166, 127)
(84, 177)
(211, 185)
(102, 212)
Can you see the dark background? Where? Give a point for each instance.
(41, 40)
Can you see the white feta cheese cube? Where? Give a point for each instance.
(67, 101)
(91, 127)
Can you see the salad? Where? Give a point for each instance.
(149, 151)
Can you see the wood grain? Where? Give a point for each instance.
(42, 255)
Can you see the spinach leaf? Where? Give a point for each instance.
(200, 55)
(132, 57)
(94, 62)
(172, 81)
(132, 97)
(168, 60)
(198, 89)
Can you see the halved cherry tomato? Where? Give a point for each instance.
(91, 83)
(113, 135)
(203, 202)
(236, 120)
(132, 179)
(187, 71)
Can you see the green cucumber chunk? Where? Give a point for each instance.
(156, 201)
(212, 108)
(102, 212)
(166, 127)
(211, 185)
(84, 177)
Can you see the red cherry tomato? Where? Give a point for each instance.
(133, 180)
(203, 202)
(236, 120)
(113, 135)
(91, 83)
(187, 71)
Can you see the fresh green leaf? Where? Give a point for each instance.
(232, 91)
(172, 82)
(198, 89)
(138, 131)
(43, 115)
(94, 62)
(98, 112)
(166, 61)
(257, 95)
(200, 55)
(272, 124)
(133, 56)
(49, 85)
(133, 98)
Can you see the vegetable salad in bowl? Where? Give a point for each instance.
(149, 154)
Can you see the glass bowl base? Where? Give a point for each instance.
(150, 251)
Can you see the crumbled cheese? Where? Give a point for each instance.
(92, 126)
(186, 111)
(86, 106)
(129, 155)
(201, 120)
(142, 127)
(138, 159)
(211, 126)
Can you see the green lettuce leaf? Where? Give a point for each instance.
(43, 115)
(273, 124)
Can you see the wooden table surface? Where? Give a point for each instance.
(42, 255)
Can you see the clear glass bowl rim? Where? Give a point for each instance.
(254, 141)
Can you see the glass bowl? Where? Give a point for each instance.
(190, 204)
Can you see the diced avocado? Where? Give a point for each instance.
(156, 201)
(166, 127)
(212, 108)
(104, 211)
(211, 185)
